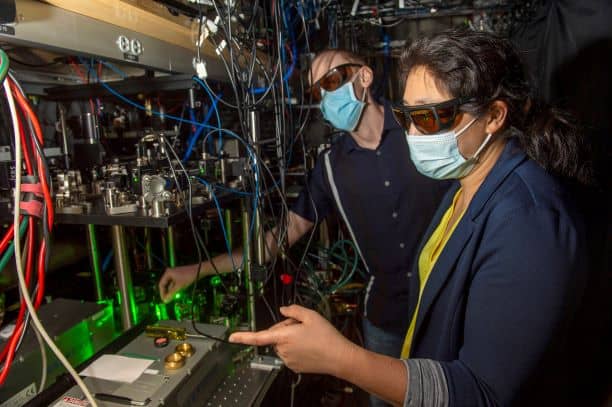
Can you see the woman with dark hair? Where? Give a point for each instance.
(502, 266)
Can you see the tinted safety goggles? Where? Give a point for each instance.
(333, 79)
(431, 118)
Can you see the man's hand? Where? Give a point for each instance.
(175, 279)
(306, 341)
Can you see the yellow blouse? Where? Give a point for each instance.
(427, 260)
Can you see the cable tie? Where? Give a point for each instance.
(31, 197)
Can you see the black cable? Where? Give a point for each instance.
(199, 44)
(35, 144)
(197, 236)
(197, 240)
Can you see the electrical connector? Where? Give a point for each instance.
(200, 68)
(221, 47)
(208, 27)
(213, 26)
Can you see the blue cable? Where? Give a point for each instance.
(255, 171)
(214, 101)
(192, 117)
(159, 260)
(114, 68)
(293, 48)
(231, 190)
(221, 130)
(287, 75)
(221, 220)
(140, 107)
(176, 118)
(107, 260)
(191, 143)
(194, 138)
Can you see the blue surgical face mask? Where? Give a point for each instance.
(341, 108)
(437, 156)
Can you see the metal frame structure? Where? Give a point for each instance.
(44, 26)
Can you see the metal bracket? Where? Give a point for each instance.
(263, 362)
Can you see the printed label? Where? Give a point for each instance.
(71, 402)
(130, 57)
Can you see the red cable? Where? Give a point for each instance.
(8, 236)
(81, 75)
(11, 354)
(10, 232)
(78, 71)
(25, 106)
(26, 150)
(30, 259)
(8, 351)
(42, 253)
(91, 106)
(6, 348)
(18, 323)
(288, 48)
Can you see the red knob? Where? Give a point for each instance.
(286, 278)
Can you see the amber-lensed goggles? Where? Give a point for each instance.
(333, 79)
(431, 118)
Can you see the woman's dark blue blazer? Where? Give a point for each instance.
(500, 302)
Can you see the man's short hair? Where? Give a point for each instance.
(346, 54)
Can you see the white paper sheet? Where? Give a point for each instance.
(117, 368)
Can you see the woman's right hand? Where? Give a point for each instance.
(305, 341)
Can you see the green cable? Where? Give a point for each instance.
(8, 254)
(344, 279)
(4, 65)
(346, 275)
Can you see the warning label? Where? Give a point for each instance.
(71, 402)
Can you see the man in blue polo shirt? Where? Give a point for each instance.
(367, 177)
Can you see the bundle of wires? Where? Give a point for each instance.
(33, 217)
(173, 159)
(341, 257)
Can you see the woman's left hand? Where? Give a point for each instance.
(306, 342)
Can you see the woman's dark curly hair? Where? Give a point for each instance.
(486, 68)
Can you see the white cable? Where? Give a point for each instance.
(41, 344)
(293, 386)
(43, 356)
(22, 285)
(354, 8)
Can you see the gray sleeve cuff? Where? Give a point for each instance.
(427, 385)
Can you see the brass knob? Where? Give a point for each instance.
(174, 361)
(185, 349)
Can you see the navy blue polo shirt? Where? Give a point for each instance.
(388, 204)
